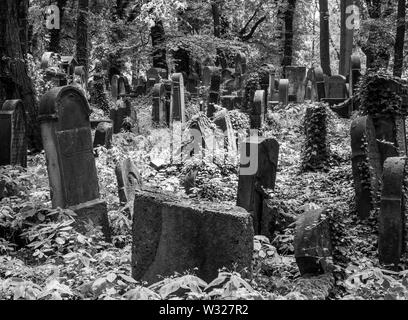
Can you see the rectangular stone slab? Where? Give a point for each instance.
(172, 234)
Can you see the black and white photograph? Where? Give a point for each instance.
(203, 154)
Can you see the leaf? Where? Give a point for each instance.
(60, 241)
(111, 277)
(127, 278)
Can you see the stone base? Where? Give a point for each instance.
(175, 235)
(97, 212)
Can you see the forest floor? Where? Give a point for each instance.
(43, 257)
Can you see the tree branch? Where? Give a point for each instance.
(251, 33)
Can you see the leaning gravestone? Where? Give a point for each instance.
(258, 165)
(258, 110)
(66, 134)
(296, 77)
(366, 162)
(103, 135)
(173, 234)
(284, 91)
(129, 180)
(13, 142)
(159, 112)
(313, 248)
(177, 98)
(392, 217)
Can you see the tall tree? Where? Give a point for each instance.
(289, 14)
(82, 54)
(14, 80)
(324, 37)
(399, 39)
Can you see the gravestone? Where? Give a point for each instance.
(336, 90)
(119, 116)
(223, 122)
(312, 242)
(115, 87)
(208, 72)
(173, 234)
(193, 82)
(177, 98)
(240, 63)
(66, 134)
(129, 180)
(159, 112)
(296, 76)
(257, 116)
(123, 86)
(284, 91)
(168, 87)
(215, 83)
(80, 78)
(13, 142)
(103, 135)
(366, 163)
(51, 64)
(258, 165)
(392, 217)
(68, 64)
(231, 102)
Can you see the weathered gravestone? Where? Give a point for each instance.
(80, 78)
(319, 85)
(103, 135)
(355, 73)
(223, 122)
(258, 165)
(51, 64)
(284, 91)
(392, 217)
(231, 102)
(177, 98)
(366, 162)
(115, 87)
(68, 64)
(313, 248)
(129, 180)
(175, 234)
(296, 77)
(193, 81)
(208, 72)
(159, 112)
(257, 115)
(66, 134)
(336, 90)
(13, 142)
(120, 116)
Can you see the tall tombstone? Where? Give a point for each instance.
(154, 75)
(115, 87)
(122, 86)
(159, 112)
(346, 35)
(258, 165)
(193, 82)
(240, 71)
(103, 135)
(215, 84)
(177, 98)
(168, 85)
(119, 115)
(296, 76)
(366, 163)
(284, 91)
(13, 142)
(258, 110)
(392, 217)
(312, 242)
(80, 78)
(66, 134)
(129, 180)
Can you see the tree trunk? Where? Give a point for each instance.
(288, 42)
(14, 80)
(399, 39)
(158, 44)
(82, 55)
(324, 37)
(55, 34)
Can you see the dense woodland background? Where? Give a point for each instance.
(47, 259)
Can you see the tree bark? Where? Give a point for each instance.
(14, 80)
(288, 42)
(324, 37)
(82, 54)
(399, 39)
